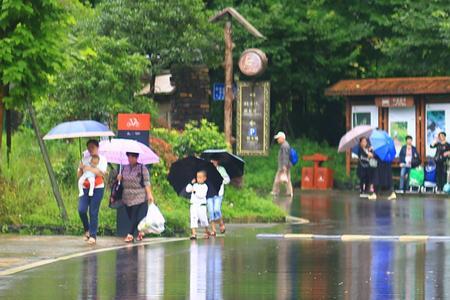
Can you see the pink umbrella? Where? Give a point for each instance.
(116, 149)
(351, 138)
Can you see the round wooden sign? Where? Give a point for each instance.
(253, 62)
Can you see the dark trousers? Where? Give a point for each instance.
(365, 179)
(93, 203)
(441, 174)
(133, 215)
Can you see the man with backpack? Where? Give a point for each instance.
(284, 166)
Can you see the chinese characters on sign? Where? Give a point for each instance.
(134, 127)
(253, 105)
(401, 101)
(219, 91)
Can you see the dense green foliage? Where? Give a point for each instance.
(198, 137)
(91, 86)
(168, 32)
(194, 139)
(101, 78)
(310, 45)
(32, 37)
(313, 44)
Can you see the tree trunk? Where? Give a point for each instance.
(2, 108)
(228, 105)
(48, 165)
(8, 124)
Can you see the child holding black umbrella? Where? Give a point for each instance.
(198, 190)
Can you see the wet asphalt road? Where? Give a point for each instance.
(240, 266)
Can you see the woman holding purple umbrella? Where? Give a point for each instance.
(137, 192)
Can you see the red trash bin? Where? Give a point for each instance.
(322, 178)
(307, 178)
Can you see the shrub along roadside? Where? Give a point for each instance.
(27, 203)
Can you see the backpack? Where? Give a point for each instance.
(293, 156)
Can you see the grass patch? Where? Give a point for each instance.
(27, 202)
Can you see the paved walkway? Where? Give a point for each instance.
(18, 252)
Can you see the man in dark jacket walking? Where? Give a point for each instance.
(284, 166)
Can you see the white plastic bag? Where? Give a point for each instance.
(283, 177)
(153, 222)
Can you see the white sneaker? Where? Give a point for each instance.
(393, 196)
(372, 197)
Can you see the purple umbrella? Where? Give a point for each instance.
(116, 149)
(351, 138)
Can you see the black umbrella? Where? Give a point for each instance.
(232, 163)
(184, 170)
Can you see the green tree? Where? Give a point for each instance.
(420, 41)
(32, 37)
(309, 45)
(102, 77)
(313, 44)
(169, 32)
(101, 82)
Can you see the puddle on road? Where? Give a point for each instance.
(243, 267)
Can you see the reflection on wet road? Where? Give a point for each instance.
(240, 266)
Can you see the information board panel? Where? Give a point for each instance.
(253, 118)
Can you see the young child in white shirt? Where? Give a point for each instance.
(198, 190)
(88, 175)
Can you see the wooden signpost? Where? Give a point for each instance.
(228, 14)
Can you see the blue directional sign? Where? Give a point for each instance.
(218, 91)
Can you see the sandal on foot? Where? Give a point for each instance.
(86, 236)
(213, 234)
(129, 239)
(222, 229)
(140, 236)
(193, 237)
(92, 241)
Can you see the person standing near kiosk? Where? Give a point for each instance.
(441, 157)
